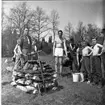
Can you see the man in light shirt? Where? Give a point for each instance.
(85, 66)
(101, 39)
(59, 47)
(96, 62)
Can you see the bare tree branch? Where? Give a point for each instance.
(41, 22)
(54, 19)
(68, 30)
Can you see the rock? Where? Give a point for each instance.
(23, 88)
(28, 82)
(6, 61)
(30, 88)
(13, 83)
(35, 91)
(9, 68)
(35, 84)
(21, 81)
(55, 75)
(54, 88)
(35, 67)
(36, 78)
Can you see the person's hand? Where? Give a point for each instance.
(66, 53)
(78, 63)
(81, 60)
(53, 52)
(32, 52)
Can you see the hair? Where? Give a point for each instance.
(60, 31)
(94, 39)
(103, 30)
(26, 28)
(19, 41)
(71, 39)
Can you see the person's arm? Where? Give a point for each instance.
(35, 48)
(15, 53)
(102, 49)
(65, 48)
(19, 49)
(77, 55)
(53, 47)
(90, 52)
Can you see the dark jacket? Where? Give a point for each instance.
(26, 42)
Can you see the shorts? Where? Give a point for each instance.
(58, 52)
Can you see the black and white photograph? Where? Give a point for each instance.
(53, 52)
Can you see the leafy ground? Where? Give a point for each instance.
(69, 93)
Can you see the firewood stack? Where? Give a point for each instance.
(37, 78)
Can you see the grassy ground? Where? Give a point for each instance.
(69, 93)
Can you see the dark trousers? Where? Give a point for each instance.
(96, 69)
(79, 66)
(103, 64)
(85, 67)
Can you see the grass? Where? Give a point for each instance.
(69, 93)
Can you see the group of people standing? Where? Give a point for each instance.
(88, 58)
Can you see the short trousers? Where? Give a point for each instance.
(58, 52)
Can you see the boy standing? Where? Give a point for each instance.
(96, 62)
(85, 66)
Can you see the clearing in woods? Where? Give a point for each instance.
(69, 93)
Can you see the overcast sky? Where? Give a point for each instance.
(88, 11)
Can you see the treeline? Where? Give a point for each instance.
(39, 25)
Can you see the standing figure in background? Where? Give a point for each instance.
(17, 54)
(72, 55)
(85, 64)
(79, 56)
(101, 40)
(96, 63)
(59, 47)
(26, 45)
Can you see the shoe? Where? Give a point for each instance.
(88, 82)
(54, 88)
(99, 86)
(93, 84)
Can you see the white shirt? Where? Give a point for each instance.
(17, 50)
(58, 42)
(96, 49)
(86, 51)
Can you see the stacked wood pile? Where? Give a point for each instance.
(39, 77)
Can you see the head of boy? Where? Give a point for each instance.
(60, 33)
(103, 31)
(18, 41)
(94, 41)
(84, 43)
(25, 31)
(72, 40)
(33, 42)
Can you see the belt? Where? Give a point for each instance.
(59, 47)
